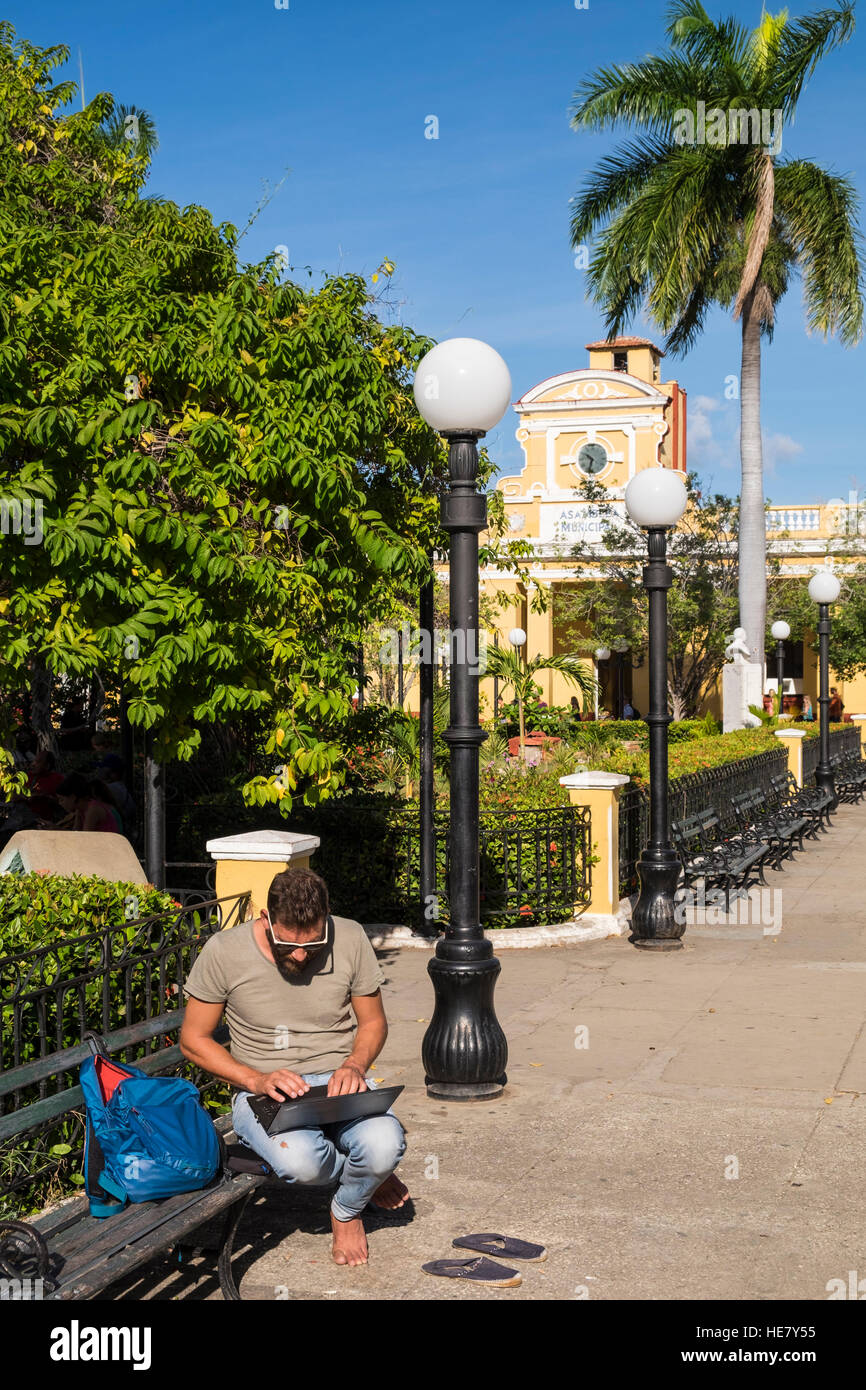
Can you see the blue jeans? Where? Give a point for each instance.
(361, 1153)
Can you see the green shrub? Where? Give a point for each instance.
(695, 754)
(38, 908)
(42, 1011)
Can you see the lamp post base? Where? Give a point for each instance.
(464, 1051)
(443, 1090)
(654, 924)
(826, 782)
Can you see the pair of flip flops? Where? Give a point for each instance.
(484, 1270)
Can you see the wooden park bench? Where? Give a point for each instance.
(731, 863)
(76, 1255)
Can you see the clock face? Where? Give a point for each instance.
(592, 459)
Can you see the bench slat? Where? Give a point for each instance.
(43, 1067)
(177, 1217)
(52, 1107)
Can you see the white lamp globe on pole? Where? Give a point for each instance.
(781, 632)
(462, 384)
(517, 637)
(462, 390)
(602, 653)
(656, 497)
(824, 587)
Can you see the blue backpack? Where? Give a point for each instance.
(147, 1136)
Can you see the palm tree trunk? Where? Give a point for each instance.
(753, 532)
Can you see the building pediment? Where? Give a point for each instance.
(589, 389)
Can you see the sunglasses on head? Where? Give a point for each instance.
(310, 946)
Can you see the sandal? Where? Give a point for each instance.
(506, 1246)
(480, 1271)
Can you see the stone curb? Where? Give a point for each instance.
(591, 927)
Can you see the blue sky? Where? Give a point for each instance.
(476, 220)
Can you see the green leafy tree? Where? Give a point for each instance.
(684, 223)
(229, 472)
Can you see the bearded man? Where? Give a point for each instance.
(289, 982)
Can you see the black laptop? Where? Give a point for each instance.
(317, 1108)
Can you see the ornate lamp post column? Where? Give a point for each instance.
(462, 389)
(656, 499)
(824, 589)
(781, 632)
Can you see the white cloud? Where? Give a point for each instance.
(779, 449)
(711, 439)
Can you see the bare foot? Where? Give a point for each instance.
(391, 1194)
(350, 1243)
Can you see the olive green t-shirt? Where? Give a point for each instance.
(304, 1024)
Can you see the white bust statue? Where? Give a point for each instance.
(736, 650)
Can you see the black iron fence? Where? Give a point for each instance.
(842, 741)
(105, 980)
(534, 865)
(697, 791)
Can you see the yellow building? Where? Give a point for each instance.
(607, 421)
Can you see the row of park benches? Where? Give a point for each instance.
(765, 827)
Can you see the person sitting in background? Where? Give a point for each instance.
(88, 805)
(808, 712)
(25, 750)
(43, 779)
(836, 706)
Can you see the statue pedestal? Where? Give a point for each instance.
(742, 685)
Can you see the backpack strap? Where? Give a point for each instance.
(96, 1043)
(104, 1195)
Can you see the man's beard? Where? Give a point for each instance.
(289, 968)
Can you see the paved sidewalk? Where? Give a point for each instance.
(739, 1054)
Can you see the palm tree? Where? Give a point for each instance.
(129, 128)
(685, 221)
(509, 667)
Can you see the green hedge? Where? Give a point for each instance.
(38, 908)
(695, 754)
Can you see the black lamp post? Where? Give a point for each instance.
(781, 632)
(462, 389)
(426, 678)
(656, 499)
(824, 589)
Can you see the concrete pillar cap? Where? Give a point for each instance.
(272, 845)
(790, 733)
(590, 781)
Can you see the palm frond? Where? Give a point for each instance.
(803, 43)
(648, 93)
(819, 212)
